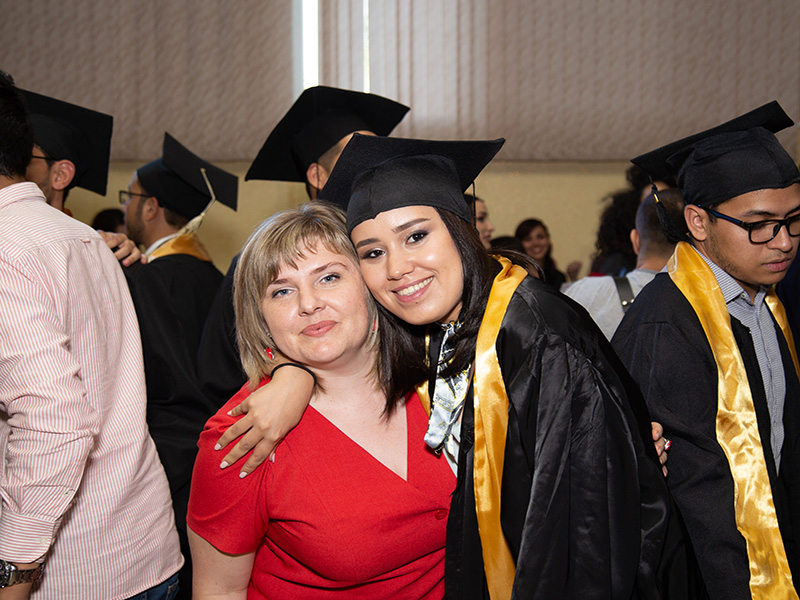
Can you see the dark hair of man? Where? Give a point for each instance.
(173, 219)
(327, 161)
(653, 242)
(16, 133)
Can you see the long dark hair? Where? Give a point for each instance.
(616, 222)
(403, 352)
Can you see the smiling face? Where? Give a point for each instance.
(411, 264)
(537, 243)
(728, 245)
(317, 313)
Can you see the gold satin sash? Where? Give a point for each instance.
(737, 426)
(422, 388)
(491, 424)
(188, 243)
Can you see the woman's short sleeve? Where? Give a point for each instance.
(227, 511)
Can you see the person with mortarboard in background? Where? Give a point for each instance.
(72, 146)
(303, 147)
(709, 346)
(164, 205)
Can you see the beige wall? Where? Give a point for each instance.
(566, 196)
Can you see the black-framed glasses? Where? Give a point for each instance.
(125, 196)
(761, 232)
(47, 158)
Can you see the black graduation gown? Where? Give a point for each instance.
(663, 345)
(584, 503)
(789, 293)
(218, 364)
(172, 295)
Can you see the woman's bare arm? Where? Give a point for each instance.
(270, 412)
(217, 575)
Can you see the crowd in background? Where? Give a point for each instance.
(396, 403)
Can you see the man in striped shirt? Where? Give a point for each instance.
(83, 491)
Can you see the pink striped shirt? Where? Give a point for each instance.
(80, 474)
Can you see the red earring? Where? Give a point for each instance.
(270, 355)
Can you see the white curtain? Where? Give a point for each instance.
(561, 79)
(217, 74)
(569, 79)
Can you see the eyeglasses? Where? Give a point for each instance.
(47, 158)
(762, 232)
(125, 196)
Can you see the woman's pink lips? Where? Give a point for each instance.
(318, 329)
(416, 294)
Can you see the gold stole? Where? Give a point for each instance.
(737, 427)
(188, 243)
(491, 423)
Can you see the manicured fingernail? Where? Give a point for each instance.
(217, 447)
(668, 444)
(242, 475)
(223, 464)
(229, 412)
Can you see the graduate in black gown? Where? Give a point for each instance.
(559, 490)
(709, 346)
(172, 295)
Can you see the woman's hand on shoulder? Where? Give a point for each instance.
(125, 249)
(271, 412)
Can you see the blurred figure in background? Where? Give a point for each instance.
(535, 240)
(110, 219)
(483, 224)
(614, 253)
(607, 298)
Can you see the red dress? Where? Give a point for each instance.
(326, 518)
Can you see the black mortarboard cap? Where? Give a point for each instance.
(318, 119)
(69, 132)
(176, 179)
(376, 174)
(740, 156)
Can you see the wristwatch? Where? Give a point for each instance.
(10, 574)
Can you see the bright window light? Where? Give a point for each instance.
(310, 43)
(365, 41)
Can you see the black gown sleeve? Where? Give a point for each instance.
(219, 368)
(569, 521)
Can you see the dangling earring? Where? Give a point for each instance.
(268, 349)
(375, 325)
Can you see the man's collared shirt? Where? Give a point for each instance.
(754, 315)
(158, 243)
(82, 485)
